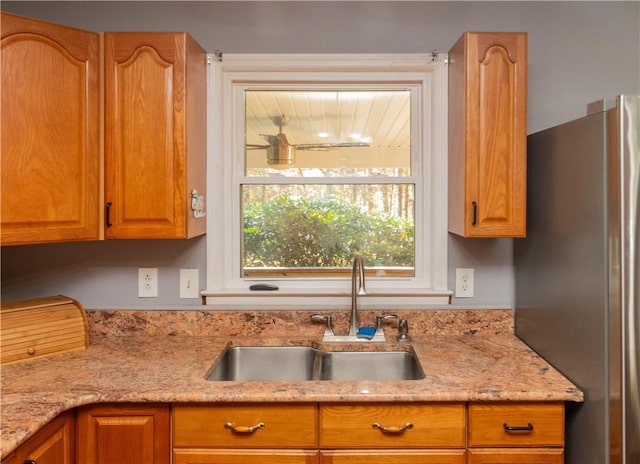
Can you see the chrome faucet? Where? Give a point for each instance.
(357, 275)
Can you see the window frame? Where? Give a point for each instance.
(227, 76)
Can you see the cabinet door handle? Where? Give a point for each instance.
(243, 428)
(29, 461)
(107, 213)
(474, 219)
(400, 429)
(514, 428)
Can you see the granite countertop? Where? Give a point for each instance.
(152, 365)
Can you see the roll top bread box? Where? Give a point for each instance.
(42, 326)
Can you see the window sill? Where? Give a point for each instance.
(325, 299)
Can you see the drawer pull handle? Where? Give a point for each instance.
(400, 429)
(243, 428)
(514, 428)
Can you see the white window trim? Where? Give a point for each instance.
(225, 291)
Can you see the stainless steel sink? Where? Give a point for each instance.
(370, 365)
(266, 363)
(290, 363)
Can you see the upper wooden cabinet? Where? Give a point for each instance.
(155, 113)
(50, 132)
(487, 134)
(154, 134)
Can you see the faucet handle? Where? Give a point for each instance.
(380, 320)
(328, 331)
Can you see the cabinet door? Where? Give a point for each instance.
(392, 457)
(516, 456)
(154, 134)
(53, 444)
(270, 456)
(487, 135)
(124, 434)
(50, 145)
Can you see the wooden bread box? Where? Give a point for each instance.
(42, 326)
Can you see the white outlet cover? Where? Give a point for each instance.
(464, 283)
(147, 282)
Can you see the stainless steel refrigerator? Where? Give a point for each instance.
(578, 273)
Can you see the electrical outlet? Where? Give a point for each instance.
(147, 282)
(464, 283)
(189, 287)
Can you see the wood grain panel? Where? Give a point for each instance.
(486, 424)
(155, 123)
(433, 425)
(40, 327)
(137, 434)
(50, 147)
(487, 134)
(269, 456)
(285, 426)
(516, 456)
(393, 457)
(53, 444)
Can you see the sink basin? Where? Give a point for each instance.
(370, 365)
(290, 363)
(265, 363)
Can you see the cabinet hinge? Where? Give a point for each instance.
(435, 55)
(218, 55)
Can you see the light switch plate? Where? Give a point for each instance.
(189, 285)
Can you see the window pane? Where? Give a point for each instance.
(341, 132)
(298, 230)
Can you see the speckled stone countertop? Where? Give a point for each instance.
(158, 356)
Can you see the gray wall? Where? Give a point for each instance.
(578, 52)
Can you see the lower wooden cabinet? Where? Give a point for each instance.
(392, 456)
(516, 433)
(382, 433)
(302, 433)
(245, 434)
(243, 456)
(516, 456)
(275, 425)
(340, 433)
(399, 426)
(124, 434)
(53, 444)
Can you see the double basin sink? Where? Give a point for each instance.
(295, 363)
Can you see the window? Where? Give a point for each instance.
(316, 158)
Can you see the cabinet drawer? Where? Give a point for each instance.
(204, 456)
(384, 425)
(526, 424)
(283, 426)
(516, 456)
(392, 457)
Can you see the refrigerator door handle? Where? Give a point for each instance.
(628, 123)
